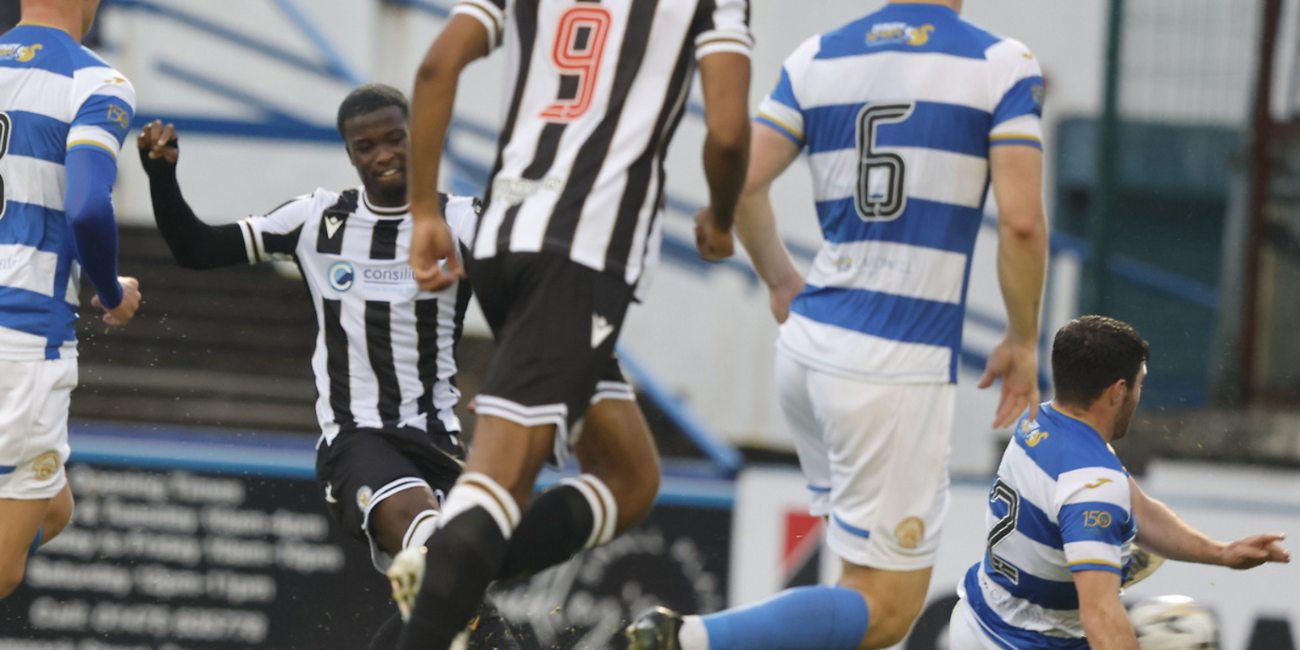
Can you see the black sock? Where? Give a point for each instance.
(464, 556)
(576, 514)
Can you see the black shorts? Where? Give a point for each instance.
(556, 323)
(362, 467)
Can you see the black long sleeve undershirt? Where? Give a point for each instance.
(193, 243)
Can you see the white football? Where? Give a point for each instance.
(1174, 623)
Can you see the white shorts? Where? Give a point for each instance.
(34, 397)
(876, 459)
(964, 632)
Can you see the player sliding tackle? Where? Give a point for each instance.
(1063, 513)
(64, 114)
(906, 115)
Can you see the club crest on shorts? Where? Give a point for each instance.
(46, 465)
(910, 532)
(364, 495)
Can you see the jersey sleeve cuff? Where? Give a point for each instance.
(713, 42)
(781, 128)
(1096, 565)
(492, 18)
(251, 246)
(1016, 138)
(82, 137)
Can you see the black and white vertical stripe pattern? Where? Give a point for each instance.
(385, 353)
(589, 186)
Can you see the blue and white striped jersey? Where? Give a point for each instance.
(898, 111)
(1060, 503)
(55, 96)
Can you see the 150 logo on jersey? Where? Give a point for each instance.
(1097, 519)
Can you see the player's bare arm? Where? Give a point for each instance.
(1105, 621)
(770, 155)
(725, 79)
(1017, 175)
(1164, 532)
(461, 42)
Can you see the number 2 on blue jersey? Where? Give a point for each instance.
(881, 190)
(1002, 491)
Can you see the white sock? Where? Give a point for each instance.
(693, 635)
(421, 529)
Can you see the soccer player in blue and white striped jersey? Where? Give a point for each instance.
(905, 115)
(1063, 513)
(64, 114)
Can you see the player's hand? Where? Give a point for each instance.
(126, 309)
(1017, 366)
(158, 141)
(1250, 552)
(714, 243)
(431, 243)
(783, 295)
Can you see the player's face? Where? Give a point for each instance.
(1125, 414)
(377, 145)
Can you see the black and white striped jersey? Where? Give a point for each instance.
(385, 351)
(597, 89)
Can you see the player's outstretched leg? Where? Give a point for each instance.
(616, 490)
(478, 518)
(778, 623)
(870, 609)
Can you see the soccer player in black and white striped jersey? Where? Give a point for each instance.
(384, 361)
(570, 226)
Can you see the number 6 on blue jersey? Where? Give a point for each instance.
(878, 200)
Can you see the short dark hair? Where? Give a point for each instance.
(1090, 354)
(370, 98)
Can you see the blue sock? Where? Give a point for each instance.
(804, 618)
(36, 543)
